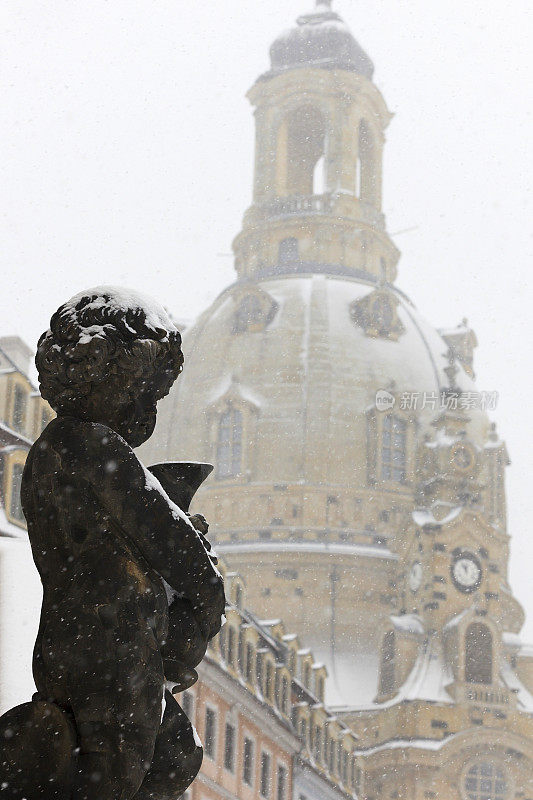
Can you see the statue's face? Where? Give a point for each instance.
(135, 421)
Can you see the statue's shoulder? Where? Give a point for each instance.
(72, 436)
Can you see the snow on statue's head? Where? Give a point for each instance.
(110, 354)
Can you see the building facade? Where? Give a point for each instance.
(23, 415)
(259, 710)
(359, 482)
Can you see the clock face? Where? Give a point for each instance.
(463, 457)
(415, 576)
(466, 572)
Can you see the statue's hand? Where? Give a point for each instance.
(199, 522)
(209, 604)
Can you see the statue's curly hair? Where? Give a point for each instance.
(108, 342)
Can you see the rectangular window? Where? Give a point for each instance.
(19, 409)
(356, 777)
(248, 762)
(229, 748)
(15, 505)
(344, 767)
(282, 783)
(231, 646)
(186, 702)
(288, 251)
(265, 775)
(259, 671)
(394, 449)
(318, 744)
(269, 682)
(241, 652)
(210, 733)
(331, 756)
(222, 642)
(249, 662)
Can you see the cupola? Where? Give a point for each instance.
(320, 39)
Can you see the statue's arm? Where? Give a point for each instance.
(160, 530)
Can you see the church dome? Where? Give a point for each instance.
(320, 39)
(308, 371)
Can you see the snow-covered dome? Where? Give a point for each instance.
(320, 39)
(310, 373)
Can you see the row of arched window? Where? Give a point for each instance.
(393, 446)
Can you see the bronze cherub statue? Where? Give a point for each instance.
(131, 592)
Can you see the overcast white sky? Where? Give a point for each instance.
(127, 158)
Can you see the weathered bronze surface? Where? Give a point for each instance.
(131, 591)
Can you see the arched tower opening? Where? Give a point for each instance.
(387, 667)
(366, 170)
(301, 152)
(478, 654)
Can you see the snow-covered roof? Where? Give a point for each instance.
(511, 639)
(231, 388)
(289, 637)
(309, 547)
(397, 744)
(429, 677)
(455, 620)
(427, 681)
(425, 516)
(10, 448)
(269, 623)
(15, 434)
(459, 329)
(524, 698)
(353, 680)
(8, 529)
(407, 623)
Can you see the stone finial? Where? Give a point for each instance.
(452, 369)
